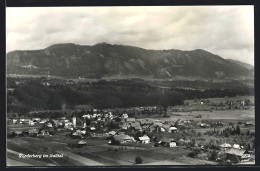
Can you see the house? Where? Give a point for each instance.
(93, 128)
(86, 116)
(167, 126)
(249, 123)
(14, 121)
(243, 155)
(43, 133)
(225, 146)
(76, 135)
(145, 121)
(36, 119)
(172, 129)
(238, 146)
(119, 139)
(31, 123)
(10, 90)
(130, 120)
(49, 125)
(112, 133)
(18, 133)
(82, 144)
(81, 131)
(123, 126)
(44, 121)
(167, 142)
(144, 139)
(136, 126)
(158, 124)
(69, 127)
(124, 116)
(68, 124)
(24, 120)
(204, 125)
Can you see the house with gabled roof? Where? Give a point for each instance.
(243, 155)
(119, 139)
(225, 146)
(144, 139)
(82, 144)
(136, 126)
(146, 121)
(130, 120)
(168, 142)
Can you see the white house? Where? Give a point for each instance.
(144, 139)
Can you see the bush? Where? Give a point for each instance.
(138, 160)
(213, 156)
(194, 153)
(234, 158)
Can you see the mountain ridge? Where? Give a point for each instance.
(107, 60)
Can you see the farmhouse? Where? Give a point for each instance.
(243, 155)
(33, 132)
(117, 139)
(225, 146)
(136, 126)
(43, 133)
(167, 142)
(237, 146)
(76, 135)
(145, 121)
(172, 129)
(124, 116)
(14, 121)
(249, 123)
(18, 133)
(24, 121)
(123, 126)
(31, 123)
(112, 133)
(82, 144)
(130, 120)
(144, 139)
(49, 125)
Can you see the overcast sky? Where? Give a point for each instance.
(227, 31)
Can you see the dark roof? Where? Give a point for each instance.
(236, 151)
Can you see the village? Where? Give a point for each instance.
(195, 136)
(85, 131)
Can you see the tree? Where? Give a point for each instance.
(194, 153)
(238, 130)
(234, 158)
(138, 160)
(213, 156)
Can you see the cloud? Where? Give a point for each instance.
(224, 30)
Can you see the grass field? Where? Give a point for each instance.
(221, 115)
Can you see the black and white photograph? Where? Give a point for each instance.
(130, 86)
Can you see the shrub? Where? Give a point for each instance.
(194, 153)
(138, 160)
(234, 158)
(213, 156)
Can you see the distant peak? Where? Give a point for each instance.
(61, 45)
(103, 43)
